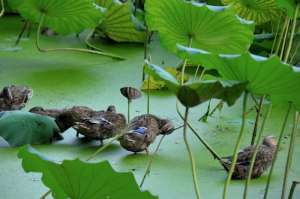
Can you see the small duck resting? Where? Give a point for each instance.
(263, 159)
(143, 130)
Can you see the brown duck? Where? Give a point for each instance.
(263, 159)
(14, 97)
(143, 130)
(102, 125)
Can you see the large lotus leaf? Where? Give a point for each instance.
(79, 180)
(64, 17)
(160, 74)
(260, 11)
(212, 28)
(118, 23)
(289, 6)
(265, 76)
(196, 93)
(19, 128)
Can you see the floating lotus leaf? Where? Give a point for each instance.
(196, 93)
(118, 23)
(265, 76)
(20, 128)
(79, 180)
(64, 17)
(260, 11)
(213, 28)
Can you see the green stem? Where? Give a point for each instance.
(206, 145)
(196, 72)
(294, 53)
(2, 8)
(219, 105)
(287, 54)
(151, 157)
(184, 63)
(146, 43)
(191, 156)
(286, 21)
(256, 151)
(284, 39)
(237, 146)
(87, 41)
(20, 35)
(291, 194)
(44, 196)
(257, 120)
(106, 145)
(290, 155)
(277, 150)
(148, 95)
(128, 111)
(276, 35)
(69, 49)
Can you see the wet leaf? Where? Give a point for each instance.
(119, 23)
(79, 180)
(212, 28)
(20, 128)
(64, 17)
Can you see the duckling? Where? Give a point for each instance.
(46, 112)
(142, 132)
(14, 97)
(263, 159)
(102, 125)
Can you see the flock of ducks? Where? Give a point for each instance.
(137, 135)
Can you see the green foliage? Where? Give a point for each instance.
(211, 28)
(260, 11)
(79, 180)
(20, 128)
(265, 76)
(289, 6)
(193, 94)
(64, 17)
(118, 23)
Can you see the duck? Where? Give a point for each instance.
(143, 130)
(14, 97)
(263, 161)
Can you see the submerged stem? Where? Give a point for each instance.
(151, 157)
(69, 49)
(237, 146)
(257, 119)
(291, 194)
(2, 8)
(277, 150)
(253, 159)
(290, 155)
(191, 156)
(287, 54)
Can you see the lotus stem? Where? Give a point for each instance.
(196, 72)
(253, 159)
(106, 145)
(290, 155)
(206, 114)
(237, 146)
(191, 156)
(146, 52)
(44, 196)
(206, 145)
(128, 110)
(185, 62)
(151, 157)
(88, 44)
(285, 39)
(276, 35)
(24, 27)
(148, 95)
(2, 8)
(69, 49)
(257, 120)
(277, 150)
(294, 23)
(286, 21)
(291, 194)
(294, 53)
(220, 104)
